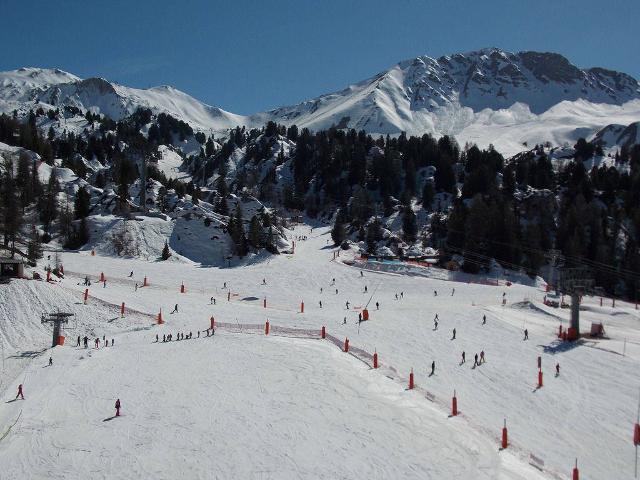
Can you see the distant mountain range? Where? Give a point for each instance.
(487, 97)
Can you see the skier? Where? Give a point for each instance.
(347, 304)
(475, 361)
(454, 334)
(365, 289)
(377, 306)
(175, 309)
(401, 294)
(320, 289)
(20, 394)
(526, 334)
(336, 291)
(131, 274)
(118, 407)
(50, 361)
(359, 318)
(453, 291)
(484, 319)
(433, 368)
(97, 342)
(225, 285)
(86, 341)
(557, 369)
(198, 333)
(344, 321)
(463, 358)
(104, 284)
(157, 339)
(78, 344)
(435, 323)
(264, 281)
(435, 293)
(396, 296)
(164, 337)
(361, 274)
(320, 302)
(482, 360)
(136, 286)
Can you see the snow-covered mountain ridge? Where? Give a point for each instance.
(486, 96)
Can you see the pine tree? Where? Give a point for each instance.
(409, 225)
(166, 253)
(255, 232)
(81, 204)
(12, 217)
(34, 246)
(339, 231)
(428, 194)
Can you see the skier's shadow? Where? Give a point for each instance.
(11, 401)
(108, 419)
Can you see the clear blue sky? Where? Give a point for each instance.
(251, 56)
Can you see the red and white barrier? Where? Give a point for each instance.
(122, 310)
(182, 287)
(375, 360)
(266, 328)
(301, 307)
(454, 405)
(346, 345)
(160, 320)
(145, 283)
(323, 332)
(505, 435)
(86, 295)
(102, 278)
(411, 384)
(539, 378)
(212, 322)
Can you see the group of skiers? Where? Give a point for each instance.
(182, 336)
(85, 341)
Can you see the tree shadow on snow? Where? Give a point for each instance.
(28, 354)
(559, 346)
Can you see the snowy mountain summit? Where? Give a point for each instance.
(427, 94)
(485, 96)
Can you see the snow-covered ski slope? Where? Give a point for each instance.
(246, 405)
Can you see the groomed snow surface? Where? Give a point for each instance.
(245, 405)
